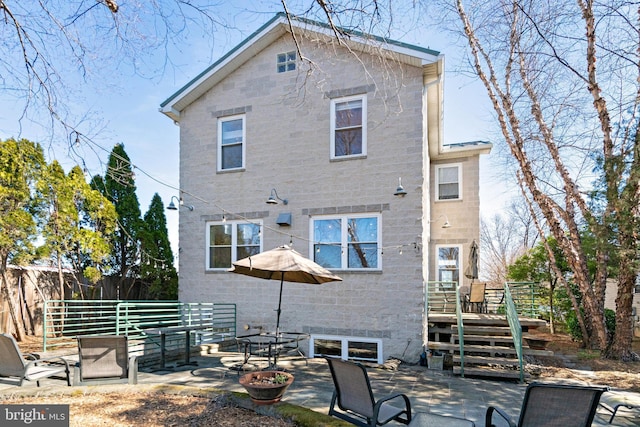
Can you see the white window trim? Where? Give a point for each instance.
(344, 346)
(448, 165)
(344, 261)
(234, 241)
(335, 101)
(460, 260)
(244, 141)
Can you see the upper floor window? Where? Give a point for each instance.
(449, 182)
(347, 242)
(286, 62)
(231, 142)
(230, 241)
(448, 263)
(349, 126)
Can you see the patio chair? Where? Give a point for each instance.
(103, 360)
(476, 298)
(553, 405)
(15, 364)
(355, 400)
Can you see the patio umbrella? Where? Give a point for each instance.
(284, 264)
(471, 272)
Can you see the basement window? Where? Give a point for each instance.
(357, 349)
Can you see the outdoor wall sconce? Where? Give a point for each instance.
(446, 223)
(172, 206)
(273, 198)
(400, 191)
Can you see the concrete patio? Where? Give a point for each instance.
(429, 390)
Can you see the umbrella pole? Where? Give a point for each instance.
(275, 355)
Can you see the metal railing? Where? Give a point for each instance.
(442, 297)
(514, 326)
(66, 319)
(460, 331)
(527, 298)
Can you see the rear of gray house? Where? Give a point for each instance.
(328, 130)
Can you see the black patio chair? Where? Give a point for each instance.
(553, 405)
(355, 400)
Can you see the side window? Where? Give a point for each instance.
(349, 127)
(231, 142)
(286, 62)
(347, 242)
(448, 263)
(229, 241)
(449, 182)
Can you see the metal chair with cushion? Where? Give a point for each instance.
(14, 364)
(553, 405)
(355, 400)
(476, 298)
(105, 359)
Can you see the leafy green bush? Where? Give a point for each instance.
(573, 326)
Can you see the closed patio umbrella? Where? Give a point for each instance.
(284, 264)
(471, 272)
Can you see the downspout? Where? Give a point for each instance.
(426, 210)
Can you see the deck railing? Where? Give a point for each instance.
(527, 298)
(66, 319)
(460, 330)
(442, 297)
(514, 326)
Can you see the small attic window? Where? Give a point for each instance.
(286, 62)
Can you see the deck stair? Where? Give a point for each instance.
(489, 350)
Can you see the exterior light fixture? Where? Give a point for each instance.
(400, 191)
(446, 223)
(273, 198)
(172, 206)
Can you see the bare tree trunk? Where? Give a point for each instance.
(17, 323)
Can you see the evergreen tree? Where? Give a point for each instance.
(120, 189)
(77, 225)
(157, 271)
(21, 163)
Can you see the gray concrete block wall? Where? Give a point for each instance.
(288, 148)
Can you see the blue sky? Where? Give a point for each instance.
(125, 108)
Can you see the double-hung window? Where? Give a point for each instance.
(231, 142)
(449, 182)
(229, 241)
(448, 263)
(349, 127)
(347, 242)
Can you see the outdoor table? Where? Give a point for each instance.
(424, 419)
(270, 344)
(163, 332)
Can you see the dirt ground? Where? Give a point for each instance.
(159, 410)
(569, 360)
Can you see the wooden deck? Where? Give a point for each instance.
(488, 345)
(483, 319)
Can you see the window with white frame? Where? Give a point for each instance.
(449, 182)
(286, 62)
(231, 142)
(229, 241)
(349, 127)
(346, 348)
(448, 263)
(347, 242)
